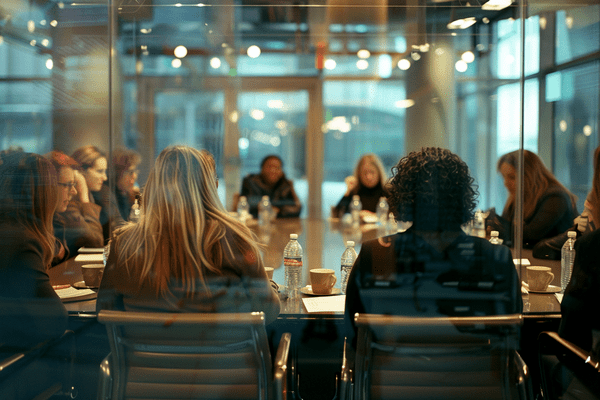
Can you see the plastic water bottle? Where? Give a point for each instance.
(264, 211)
(382, 211)
(292, 261)
(494, 239)
(134, 214)
(567, 256)
(243, 209)
(348, 258)
(478, 225)
(355, 209)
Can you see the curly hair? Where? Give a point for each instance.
(433, 189)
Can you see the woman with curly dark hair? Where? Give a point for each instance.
(432, 268)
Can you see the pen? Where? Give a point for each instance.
(56, 287)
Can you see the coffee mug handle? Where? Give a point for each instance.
(332, 280)
(550, 277)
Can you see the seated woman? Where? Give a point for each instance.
(186, 254)
(548, 207)
(271, 182)
(30, 309)
(76, 220)
(433, 268)
(586, 222)
(126, 164)
(368, 182)
(93, 163)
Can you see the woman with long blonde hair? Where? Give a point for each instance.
(548, 207)
(186, 253)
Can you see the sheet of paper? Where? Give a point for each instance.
(88, 250)
(325, 303)
(559, 297)
(90, 258)
(522, 261)
(72, 294)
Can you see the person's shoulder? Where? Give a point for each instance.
(590, 240)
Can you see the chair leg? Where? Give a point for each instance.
(105, 381)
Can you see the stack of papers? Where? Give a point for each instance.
(325, 303)
(90, 258)
(72, 294)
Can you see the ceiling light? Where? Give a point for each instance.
(330, 64)
(180, 51)
(496, 5)
(404, 64)
(363, 53)
(461, 66)
(362, 64)
(176, 63)
(468, 57)
(404, 103)
(253, 51)
(50, 64)
(461, 23)
(415, 56)
(215, 62)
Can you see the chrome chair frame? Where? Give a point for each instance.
(196, 343)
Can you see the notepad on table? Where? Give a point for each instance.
(325, 303)
(72, 294)
(522, 261)
(91, 258)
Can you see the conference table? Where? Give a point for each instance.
(318, 336)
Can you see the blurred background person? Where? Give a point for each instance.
(368, 182)
(94, 166)
(126, 163)
(548, 207)
(76, 220)
(271, 181)
(586, 222)
(30, 309)
(433, 189)
(186, 254)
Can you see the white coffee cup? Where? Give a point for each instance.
(538, 278)
(322, 280)
(269, 271)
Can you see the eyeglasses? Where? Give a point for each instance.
(132, 172)
(69, 185)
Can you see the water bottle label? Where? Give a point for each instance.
(292, 262)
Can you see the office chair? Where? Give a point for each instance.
(191, 356)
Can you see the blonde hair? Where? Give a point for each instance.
(373, 159)
(29, 196)
(537, 179)
(184, 231)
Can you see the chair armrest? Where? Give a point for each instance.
(552, 343)
(347, 376)
(105, 381)
(280, 369)
(525, 385)
(21, 358)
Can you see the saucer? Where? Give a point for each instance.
(308, 290)
(550, 289)
(82, 285)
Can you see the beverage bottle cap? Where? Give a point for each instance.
(293, 236)
(350, 243)
(572, 234)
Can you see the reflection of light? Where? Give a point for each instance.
(53, 23)
(404, 103)
(569, 22)
(461, 66)
(61, 5)
(454, 34)
(275, 104)
(468, 57)
(43, 22)
(265, 138)
(543, 22)
(145, 31)
(355, 119)
(253, 51)
(415, 56)
(200, 4)
(485, 20)
(363, 53)
(496, 5)
(439, 51)
(281, 124)
(275, 141)
(243, 143)
(234, 116)
(178, 5)
(1, 39)
(563, 125)
(462, 23)
(180, 51)
(30, 26)
(50, 64)
(257, 114)
(139, 67)
(362, 64)
(424, 48)
(215, 62)
(33, 42)
(587, 130)
(45, 42)
(480, 47)
(404, 64)
(330, 64)
(176, 63)
(339, 124)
